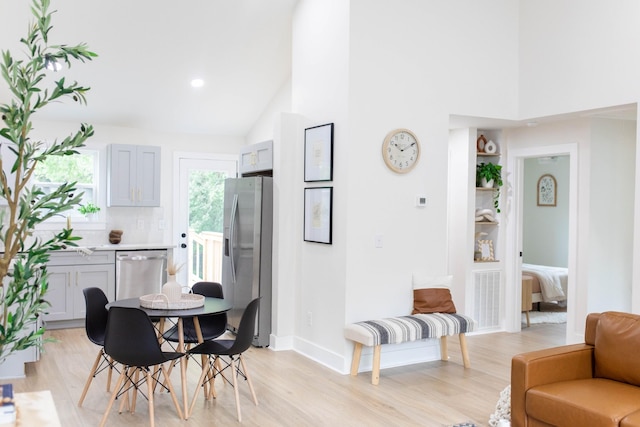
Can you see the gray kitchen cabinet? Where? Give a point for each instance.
(69, 274)
(133, 175)
(256, 158)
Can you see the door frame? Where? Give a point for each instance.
(514, 246)
(189, 155)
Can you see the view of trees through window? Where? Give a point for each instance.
(206, 199)
(80, 168)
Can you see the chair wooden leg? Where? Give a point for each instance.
(136, 378)
(355, 361)
(204, 372)
(125, 399)
(375, 371)
(464, 351)
(112, 398)
(217, 365)
(91, 375)
(235, 388)
(150, 393)
(246, 374)
(111, 362)
(172, 392)
(444, 351)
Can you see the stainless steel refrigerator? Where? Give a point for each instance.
(246, 266)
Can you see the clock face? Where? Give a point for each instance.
(401, 150)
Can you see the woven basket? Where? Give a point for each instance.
(160, 302)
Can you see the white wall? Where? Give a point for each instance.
(546, 228)
(319, 93)
(569, 64)
(263, 128)
(613, 152)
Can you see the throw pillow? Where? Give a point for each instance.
(432, 300)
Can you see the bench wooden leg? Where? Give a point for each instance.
(464, 351)
(355, 362)
(444, 353)
(375, 370)
(528, 319)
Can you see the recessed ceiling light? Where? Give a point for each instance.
(197, 83)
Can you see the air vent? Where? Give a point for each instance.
(486, 308)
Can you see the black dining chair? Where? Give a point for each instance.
(131, 340)
(233, 350)
(211, 326)
(95, 327)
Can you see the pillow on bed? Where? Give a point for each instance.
(432, 300)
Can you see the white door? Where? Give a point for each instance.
(198, 215)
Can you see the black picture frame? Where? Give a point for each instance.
(318, 153)
(318, 214)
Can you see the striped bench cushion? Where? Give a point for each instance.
(395, 330)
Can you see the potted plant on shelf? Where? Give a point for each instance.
(23, 258)
(489, 175)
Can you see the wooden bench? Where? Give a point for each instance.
(395, 330)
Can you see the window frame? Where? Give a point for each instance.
(78, 221)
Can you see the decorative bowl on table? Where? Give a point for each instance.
(161, 302)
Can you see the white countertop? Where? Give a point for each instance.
(121, 247)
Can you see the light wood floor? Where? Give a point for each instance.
(295, 391)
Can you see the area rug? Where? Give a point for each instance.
(539, 317)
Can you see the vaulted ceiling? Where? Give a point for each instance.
(149, 51)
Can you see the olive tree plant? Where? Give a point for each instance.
(23, 273)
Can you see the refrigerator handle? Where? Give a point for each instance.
(232, 232)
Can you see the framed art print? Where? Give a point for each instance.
(318, 207)
(318, 153)
(547, 190)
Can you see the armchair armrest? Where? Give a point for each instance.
(569, 362)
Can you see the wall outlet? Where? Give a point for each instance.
(140, 224)
(309, 318)
(161, 224)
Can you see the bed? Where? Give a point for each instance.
(549, 284)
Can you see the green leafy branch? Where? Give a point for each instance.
(23, 275)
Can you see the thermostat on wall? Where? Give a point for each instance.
(421, 201)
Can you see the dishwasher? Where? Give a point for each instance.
(140, 272)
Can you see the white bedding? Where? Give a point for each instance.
(553, 280)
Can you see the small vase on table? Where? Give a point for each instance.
(172, 289)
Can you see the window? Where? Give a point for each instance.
(82, 168)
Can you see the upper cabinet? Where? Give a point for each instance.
(133, 175)
(256, 158)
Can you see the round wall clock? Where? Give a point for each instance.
(401, 150)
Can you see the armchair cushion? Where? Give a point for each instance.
(593, 402)
(616, 347)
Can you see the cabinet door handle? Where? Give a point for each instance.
(69, 279)
(77, 277)
(139, 195)
(132, 195)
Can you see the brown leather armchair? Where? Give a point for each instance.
(594, 384)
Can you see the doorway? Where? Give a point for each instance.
(515, 231)
(198, 216)
(545, 236)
